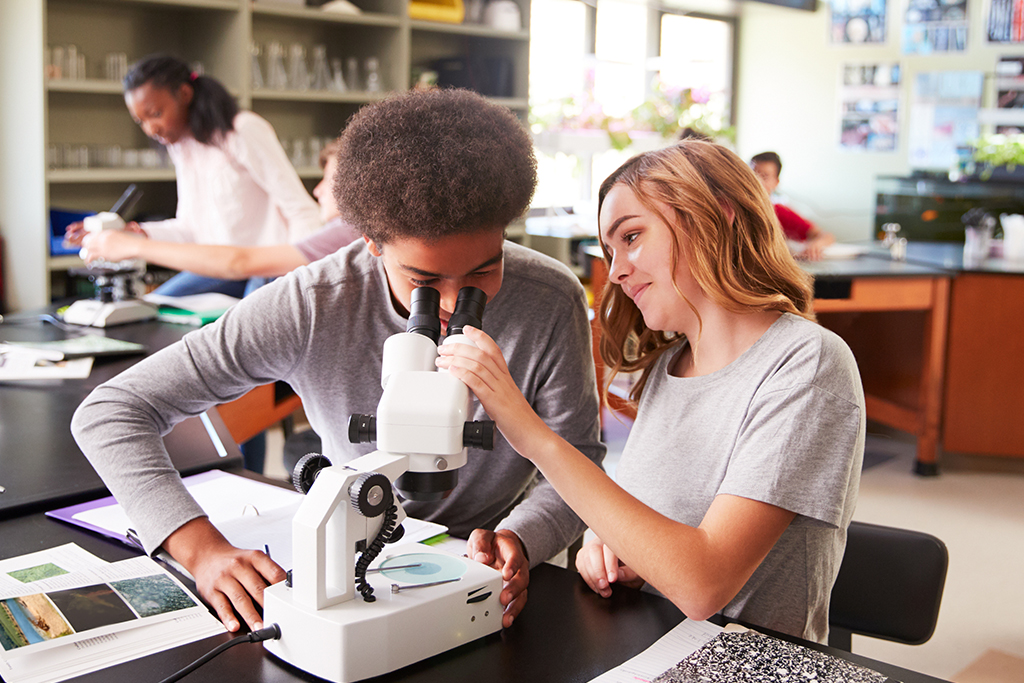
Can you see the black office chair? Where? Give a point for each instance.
(889, 586)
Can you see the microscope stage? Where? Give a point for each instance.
(95, 313)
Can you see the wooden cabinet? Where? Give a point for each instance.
(984, 396)
(38, 115)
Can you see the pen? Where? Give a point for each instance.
(132, 537)
(267, 549)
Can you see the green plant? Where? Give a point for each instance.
(998, 150)
(668, 112)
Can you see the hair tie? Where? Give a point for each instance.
(193, 76)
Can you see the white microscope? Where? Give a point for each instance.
(116, 299)
(351, 610)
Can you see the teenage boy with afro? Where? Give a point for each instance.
(431, 180)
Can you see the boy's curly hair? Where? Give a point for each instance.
(430, 164)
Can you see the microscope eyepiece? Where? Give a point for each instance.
(424, 314)
(362, 428)
(469, 310)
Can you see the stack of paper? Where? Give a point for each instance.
(65, 612)
(195, 309)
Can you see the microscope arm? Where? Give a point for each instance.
(327, 529)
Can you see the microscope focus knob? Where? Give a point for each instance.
(307, 469)
(371, 494)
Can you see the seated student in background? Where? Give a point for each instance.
(768, 166)
(235, 263)
(740, 474)
(431, 179)
(235, 183)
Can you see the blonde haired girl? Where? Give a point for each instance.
(740, 474)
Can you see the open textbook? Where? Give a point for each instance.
(65, 612)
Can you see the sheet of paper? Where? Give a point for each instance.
(679, 643)
(223, 496)
(18, 366)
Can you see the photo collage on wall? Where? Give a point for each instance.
(932, 26)
(943, 116)
(1010, 93)
(1006, 21)
(869, 97)
(857, 21)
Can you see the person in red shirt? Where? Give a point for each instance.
(767, 166)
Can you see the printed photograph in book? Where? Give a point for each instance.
(30, 619)
(37, 573)
(152, 595)
(41, 617)
(857, 21)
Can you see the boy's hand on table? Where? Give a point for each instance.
(228, 578)
(503, 551)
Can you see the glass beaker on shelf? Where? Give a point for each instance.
(338, 79)
(277, 77)
(255, 50)
(316, 145)
(352, 74)
(321, 79)
(298, 153)
(57, 62)
(372, 75)
(298, 73)
(117, 66)
(71, 62)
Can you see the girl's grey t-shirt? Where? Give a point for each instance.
(782, 424)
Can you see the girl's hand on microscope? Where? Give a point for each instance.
(484, 371)
(112, 245)
(74, 233)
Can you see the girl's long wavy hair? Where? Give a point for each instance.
(743, 265)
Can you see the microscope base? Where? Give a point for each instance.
(94, 313)
(354, 640)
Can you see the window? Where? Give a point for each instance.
(603, 59)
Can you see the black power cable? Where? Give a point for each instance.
(372, 551)
(272, 632)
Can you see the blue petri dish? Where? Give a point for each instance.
(433, 567)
